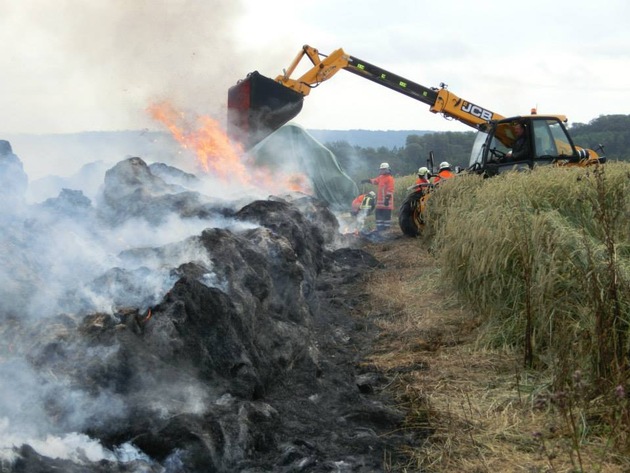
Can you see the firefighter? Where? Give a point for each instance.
(424, 176)
(423, 182)
(444, 172)
(384, 196)
(364, 204)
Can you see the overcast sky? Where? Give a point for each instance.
(80, 65)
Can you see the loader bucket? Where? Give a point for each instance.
(258, 106)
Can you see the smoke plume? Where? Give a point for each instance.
(107, 60)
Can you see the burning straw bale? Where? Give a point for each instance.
(247, 362)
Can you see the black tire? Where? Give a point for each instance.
(410, 215)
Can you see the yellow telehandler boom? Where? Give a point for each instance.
(257, 105)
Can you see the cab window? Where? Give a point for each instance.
(550, 139)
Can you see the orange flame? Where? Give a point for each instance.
(214, 151)
(218, 155)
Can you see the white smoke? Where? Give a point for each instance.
(106, 60)
(53, 261)
(62, 254)
(28, 403)
(63, 259)
(73, 446)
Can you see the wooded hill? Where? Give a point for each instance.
(610, 131)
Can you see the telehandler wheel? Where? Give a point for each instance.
(410, 214)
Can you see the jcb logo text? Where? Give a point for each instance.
(477, 111)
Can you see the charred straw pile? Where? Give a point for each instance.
(230, 349)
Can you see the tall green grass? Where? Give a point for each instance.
(544, 258)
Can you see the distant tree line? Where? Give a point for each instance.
(610, 131)
(360, 162)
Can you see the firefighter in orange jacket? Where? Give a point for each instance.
(384, 196)
(423, 182)
(424, 176)
(444, 172)
(363, 203)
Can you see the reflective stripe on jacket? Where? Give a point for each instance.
(367, 203)
(362, 202)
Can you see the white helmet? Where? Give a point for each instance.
(372, 194)
(384, 166)
(423, 171)
(444, 165)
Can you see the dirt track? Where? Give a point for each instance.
(426, 347)
(476, 404)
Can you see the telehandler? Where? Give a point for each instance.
(258, 105)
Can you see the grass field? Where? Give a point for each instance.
(506, 325)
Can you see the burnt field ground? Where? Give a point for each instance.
(426, 347)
